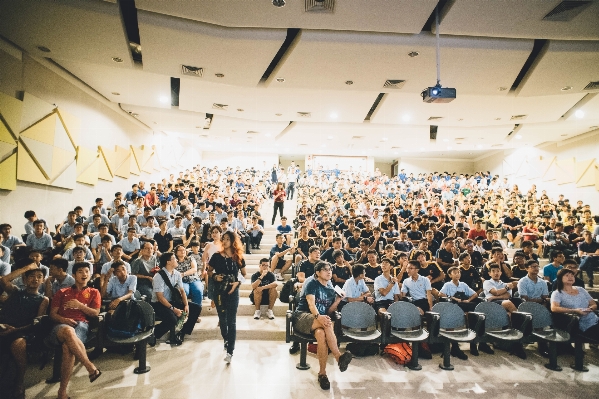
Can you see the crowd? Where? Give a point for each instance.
(379, 238)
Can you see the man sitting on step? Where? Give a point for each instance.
(264, 289)
(277, 257)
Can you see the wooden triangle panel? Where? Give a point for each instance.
(123, 163)
(61, 159)
(585, 173)
(135, 156)
(8, 173)
(43, 130)
(566, 171)
(548, 168)
(61, 138)
(41, 153)
(34, 109)
(72, 125)
(67, 178)
(5, 135)
(11, 111)
(534, 167)
(85, 158)
(27, 169)
(90, 174)
(149, 165)
(6, 150)
(108, 156)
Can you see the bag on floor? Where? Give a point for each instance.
(401, 353)
(363, 349)
(286, 290)
(127, 320)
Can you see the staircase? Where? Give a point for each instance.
(248, 328)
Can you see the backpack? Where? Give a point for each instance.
(127, 320)
(401, 353)
(286, 290)
(363, 349)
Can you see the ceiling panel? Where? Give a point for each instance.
(566, 63)
(405, 16)
(326, 60)
(517, 18)
(172, 120)
(88, 31)
(241, 54)
(265, 103)
(590, 112)
(133, 85)
(543, 132)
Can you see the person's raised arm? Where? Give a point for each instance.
(6, 281)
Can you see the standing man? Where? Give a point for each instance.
(292, 176)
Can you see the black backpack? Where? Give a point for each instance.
(287, 290)
(128, 320)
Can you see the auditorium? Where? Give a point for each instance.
(299, 198)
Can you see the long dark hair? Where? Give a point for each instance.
(236, 246)
(560, 274)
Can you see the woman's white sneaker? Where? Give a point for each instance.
(257, 314)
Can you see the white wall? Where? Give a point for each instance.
(384, 167)
(101, 125)
(581, 149)
(260, 161)
(427, 165)
(300, 160)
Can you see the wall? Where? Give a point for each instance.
(384, 167)
(427, 165)
(101, 125)
(260, 161)
(535, 168)
(300, 160)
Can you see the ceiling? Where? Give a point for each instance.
(507, 63)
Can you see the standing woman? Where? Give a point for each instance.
(210, 249)
(225, 267)
(279, 197)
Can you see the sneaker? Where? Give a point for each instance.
(344, 360)
(484, 347)
(269, 314)
(257, 314)
(278, 277)
(457, 352)
(323, 380)
(228, 358)
(510, 245)
(225, 346)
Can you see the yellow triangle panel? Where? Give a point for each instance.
(585, 173)
(104, 172)
(11, 110)
(149, 165)
(8, 173)
(27, 170)
(5, 135)
(60, 160)
(134, 163)
(123, 165)
(109, 159)
(85, 158)
(61, 138)
(72, 124)
(67, 178)
(34, 109)
(43, 130)
(89, 175)
(42, 153)
(6, 150)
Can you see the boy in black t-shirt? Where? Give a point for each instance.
(264, 289)
(469, 274)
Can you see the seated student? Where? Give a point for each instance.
(400, 271)
(116, 252)
(556, 259)
(432, 271)
(177, 232)
(476, 258)
(519, 268)
(570, 264)
(312, 317)
(341, 269)
(527, 249)
(142, 268)
(458, 291)
(256, 233)
(386, 290)
(378, 242)
(97, 239)
(588, 250)
(306, 268)
(277, 255)
(390, 253)
(498, 258)
(362, 254)
(162, 212)
(422, 247)
(163, 239)
(373, 269)
(8, 240)
(17, 314)
(355, 289)
(469, 274)
(118, 285)
(130, 245)
(447, 254)
(36, 257)
(5, 267)
(59, 278)
(286, 230)
(70, 311)
(403, 244)
(531, 287)
(39, 239)
(119, 221)
(264, 289)
(79, 240)
(337, 244)
(499, 291)
(169, 305)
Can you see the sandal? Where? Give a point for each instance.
(95, 375)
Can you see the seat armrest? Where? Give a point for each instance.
(522, 322)
(476, 322)
(433, 322)
(444, 299)
(567, 322)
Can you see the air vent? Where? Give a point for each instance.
(395, 148)
(222, 107)
(433, 133)
(591, 86)
(459, 138)
(435, 118)
(324, 6)
(497, 145)
(566, 10)
(357, 137)
(394, 84)
(304, 114)
(518, 117)
(192, 71)
(253, 132)
(205, 136)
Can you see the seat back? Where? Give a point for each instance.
(404, 315)
(358, 315)
(451, 315)
(541, 317)
(496, 317)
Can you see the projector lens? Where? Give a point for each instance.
(435, 91)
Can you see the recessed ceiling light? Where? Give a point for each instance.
(164, 99)
(43, 49)
(117, 59)
(449, 148)
(479, 146)
(579, 113)
(445, 140)
(267, 134)
(334, 115)
(518, 136)
(234, 131)
(155, 123)
(566, 88)
(406, 118)
(385, 139)
(502, 88)
(349, 82)
(413, 54)
(219, 75)
(395, 152)
(240, 109)
(280, 80)
(330, 138)
(278, 114)
(114, 93)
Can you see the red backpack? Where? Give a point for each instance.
(401, 353)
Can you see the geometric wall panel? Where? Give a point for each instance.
(41, 154)
(43, 130)
(6, 149)
(67, 178)
(596, 167)
(548, 167)
(61, 137)
(8, 173)
(72, 125)
(585, 173)
(122, 162)
(5, 135)
(148, 165)
(534, 167)
(136, 155)
(27, 168)
(566, 171)
(61, 160)
(105, 164)
(87, 166)
(34, 109)
(11, 110)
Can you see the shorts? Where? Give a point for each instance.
(280, 264)
(80, 330)
(384, 304)
(303, 321)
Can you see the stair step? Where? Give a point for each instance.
(246, 308)
(247, 328)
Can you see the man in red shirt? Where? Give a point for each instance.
(477, 231)
(71, 308)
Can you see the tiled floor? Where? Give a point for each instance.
(264, 369)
